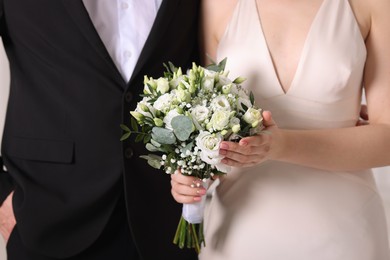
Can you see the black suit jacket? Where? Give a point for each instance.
(61, 139)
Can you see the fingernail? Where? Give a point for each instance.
(224, 146)
(243, 143)
(201, 191)
(197, 198)
(223, 152)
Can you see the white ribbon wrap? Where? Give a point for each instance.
(193, 213)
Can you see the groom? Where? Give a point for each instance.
(77, 69)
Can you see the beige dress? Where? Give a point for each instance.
(281, 211)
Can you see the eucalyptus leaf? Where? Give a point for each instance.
(188, 147)
(153, 160)
(156, 144)
(163, 136)
(182, 127)
(151, 148)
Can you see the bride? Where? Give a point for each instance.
(305, 191)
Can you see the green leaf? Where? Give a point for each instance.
(244, 107)
(182, 127)
(252, 98)
(134, 124)
(147, 139)
(139, 138)
(124, 128)
(125, 136)
(163, 136)
(222, 64)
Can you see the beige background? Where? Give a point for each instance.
(382, 175)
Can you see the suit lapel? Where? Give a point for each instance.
(166, 12)
(80, 15)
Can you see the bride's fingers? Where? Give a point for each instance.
(185, 180)
(188, 190)
(253, 155)
(185, 199)
(234, 163)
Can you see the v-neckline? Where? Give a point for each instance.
(302, 55)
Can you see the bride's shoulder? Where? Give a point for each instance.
(369, 12)
(216, 14)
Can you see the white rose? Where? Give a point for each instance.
(252, 116)
(220, 119)
(220, 103)
(208, 144)
(168, 118)
(200, 113)
(163, 103)
(162, 85)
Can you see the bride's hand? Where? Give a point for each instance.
(254, 149)
(186, 189)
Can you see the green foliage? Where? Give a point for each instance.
(182, 127)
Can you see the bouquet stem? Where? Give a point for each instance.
(190, 235)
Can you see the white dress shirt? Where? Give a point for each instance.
(123, 26)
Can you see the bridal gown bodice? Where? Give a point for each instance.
(281, 211)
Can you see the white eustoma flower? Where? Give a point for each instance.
(223, 80)
(208, 83)
(200, 113)
(164, 102)
(220, 120)
(162, 85)
(239, 91)
(220, 103)
(168, 118)
(144, 103)
(183, 95)
(252, 116)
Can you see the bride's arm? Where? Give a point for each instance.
(215, 15)
(336, 149)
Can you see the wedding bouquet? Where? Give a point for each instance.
(182, 119)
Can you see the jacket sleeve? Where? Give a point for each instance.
(1, 17)
(6, 183)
